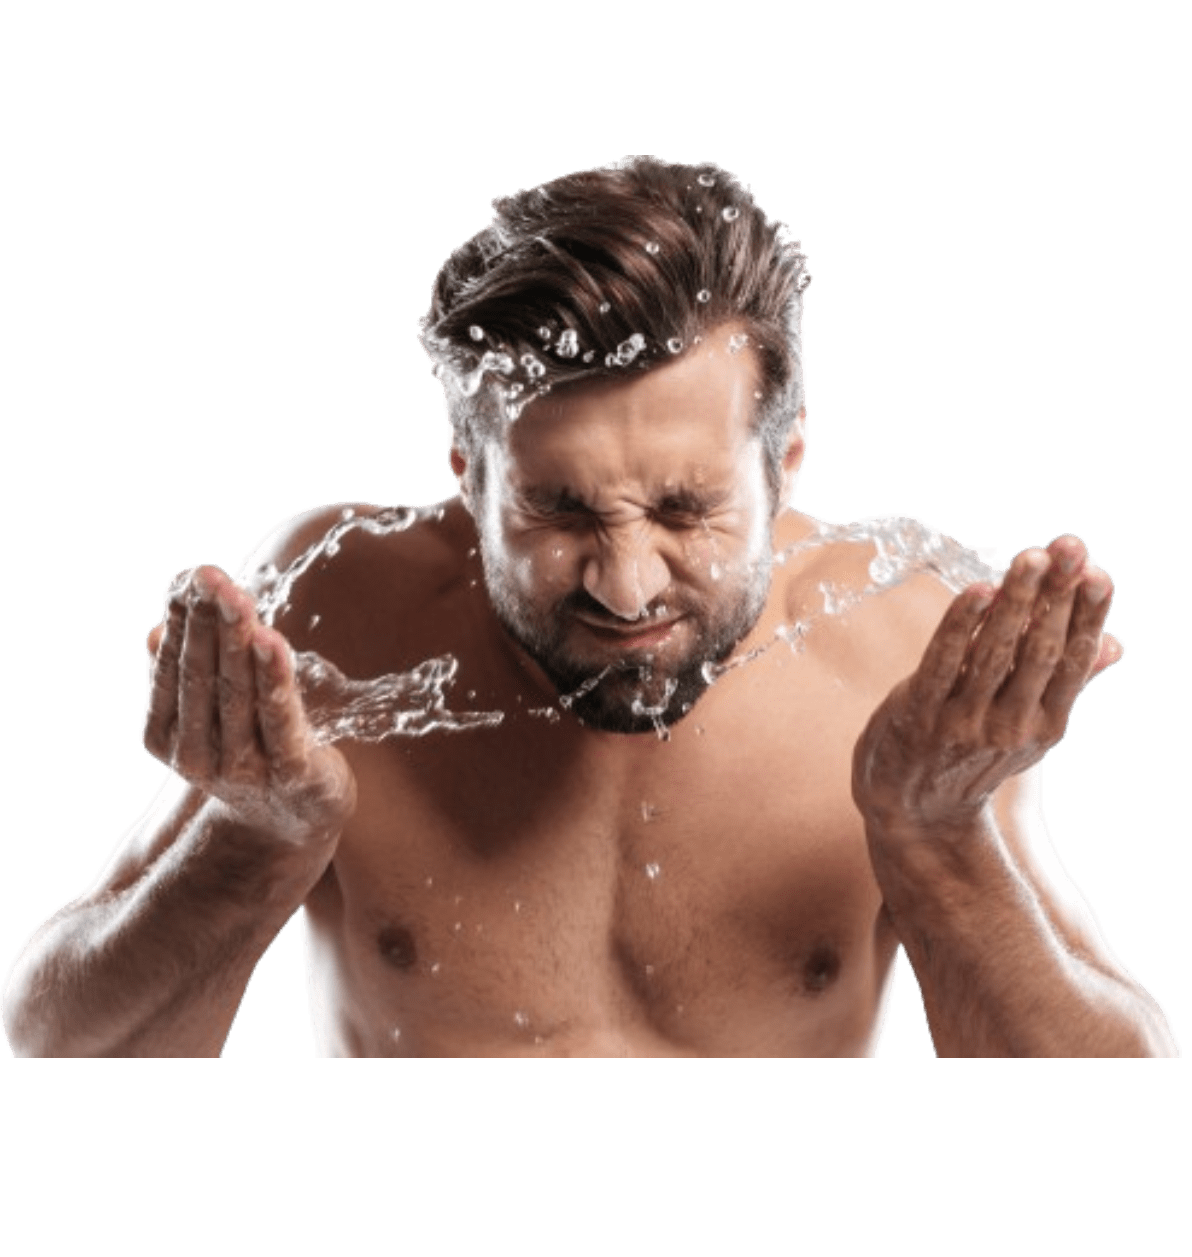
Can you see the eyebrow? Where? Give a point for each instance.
(680, 499)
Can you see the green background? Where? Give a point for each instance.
(218, 226)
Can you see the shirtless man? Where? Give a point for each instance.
(582, 885)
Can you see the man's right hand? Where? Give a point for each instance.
(225, 713)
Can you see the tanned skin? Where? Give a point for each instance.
(548, 888)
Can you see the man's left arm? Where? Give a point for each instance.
(1005, 952)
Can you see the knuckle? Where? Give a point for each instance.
(234, 696)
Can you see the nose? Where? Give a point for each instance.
(625, 574)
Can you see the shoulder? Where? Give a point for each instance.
(873, 591)
(346, 569)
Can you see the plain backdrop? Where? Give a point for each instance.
(219, 226)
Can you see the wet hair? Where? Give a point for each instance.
(610, 271)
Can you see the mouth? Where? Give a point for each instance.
(630, 637)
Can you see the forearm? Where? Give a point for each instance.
(159, 969)
(997, 979)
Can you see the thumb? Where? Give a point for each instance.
(1110, 652)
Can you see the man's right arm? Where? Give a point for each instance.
(155, 959)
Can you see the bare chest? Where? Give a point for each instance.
(538, 888)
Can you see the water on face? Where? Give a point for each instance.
(414, 703)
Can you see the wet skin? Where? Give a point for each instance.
(546, 887)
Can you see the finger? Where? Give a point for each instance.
(161, 721)
(937, 673)
(279, 707)
(236, 685)
(1042, 645)
(153, 641)
(1111, 651)
(195, 747)
(1084, 646)
(992, 653)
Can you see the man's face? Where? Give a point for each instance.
(625, 533)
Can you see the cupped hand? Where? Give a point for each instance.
(992, 693)
(226, 714)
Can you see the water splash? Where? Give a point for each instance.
(414, 703)
(272, 588)
(408, 704)
(904, 547)
(652, 246)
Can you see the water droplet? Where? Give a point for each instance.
(707, 180)
(715, 571)
(396, 1034)
(459, 925)
(758, 396)
(737, 342)
(605, 307)
(521, 1019)
(652, 246)
(675, 345)
(568, 345)
(652, 871)
(434, 969)
(629, 349)
(471, 696)
(649, 812)
(517, 905)
(430, 881)
(699, 730)
(539, 1040)
(476, 333)
(802, 282)
(556, 553)
(544, 332)
(533, 367)
(473, 552)
(649, 971)
(314, 622)
(589, 355)
(730, 213)
(703, 296)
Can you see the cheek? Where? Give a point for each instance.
(540, 565)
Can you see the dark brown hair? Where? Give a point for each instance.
(607, 271)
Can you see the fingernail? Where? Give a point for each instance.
(202, 584)
(1096, 591)
(226, 610)
(262, 651)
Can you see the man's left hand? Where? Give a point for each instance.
(992, 694)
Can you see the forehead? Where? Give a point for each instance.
(686, 419)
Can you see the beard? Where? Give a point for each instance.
(636, 692)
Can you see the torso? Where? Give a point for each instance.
(540, 888)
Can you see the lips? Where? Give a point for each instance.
(625, 637)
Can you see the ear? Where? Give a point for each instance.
(459, 465)
(792, 459)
